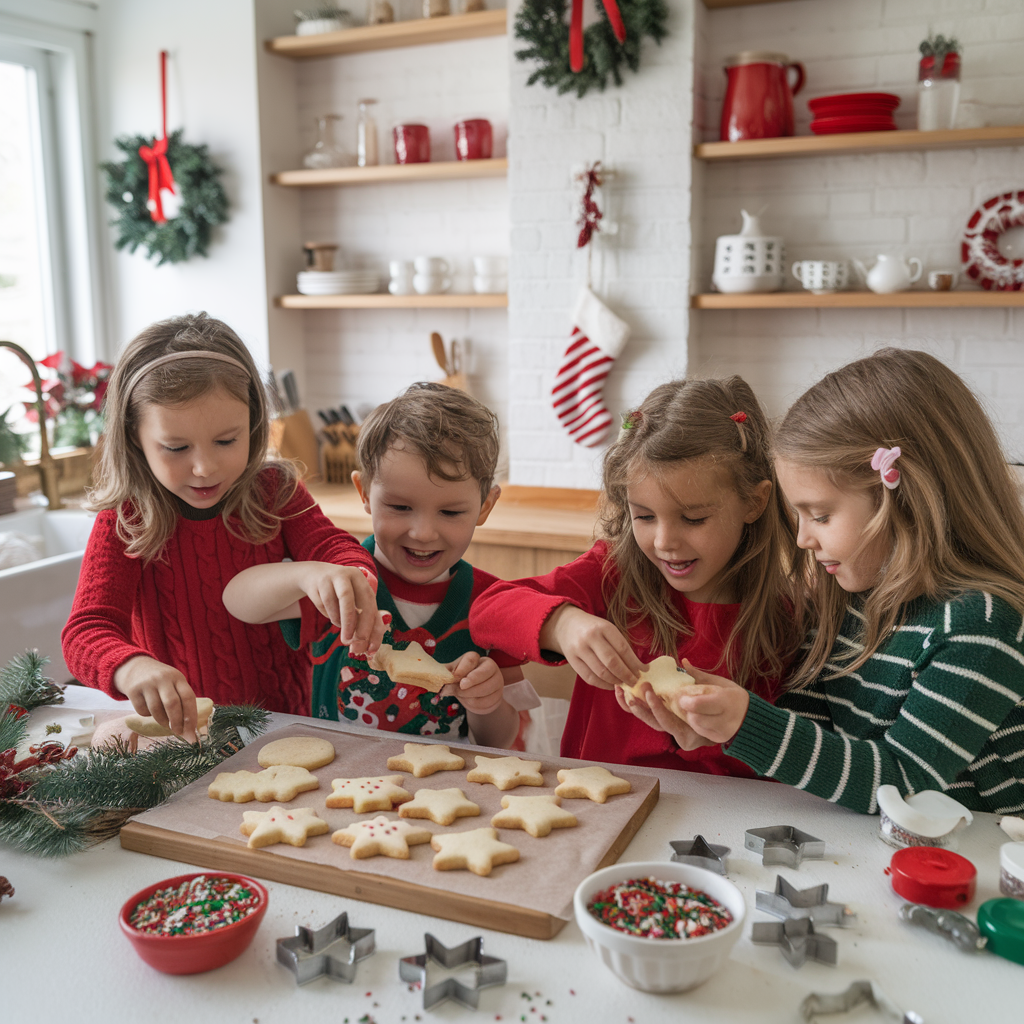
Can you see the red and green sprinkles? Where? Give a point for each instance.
(202, 904)
(658, 910)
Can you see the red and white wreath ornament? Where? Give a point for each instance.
(979, 249)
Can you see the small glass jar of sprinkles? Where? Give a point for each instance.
(1011, 870)
(649, 908)
(196, 906)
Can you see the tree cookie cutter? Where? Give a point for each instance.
(783, 844)
(798, 941)
(959, 930)
(700, 853)
(857, 994)
(792, 904)
(490, 971)
(333, 950)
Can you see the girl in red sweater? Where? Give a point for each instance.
(695, 531)
(187, 498)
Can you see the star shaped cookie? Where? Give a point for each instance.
(423, 759)
(477, 850)
(377, 793)
(593, 783)
(440, 805)
(382, 836)
(281, 783)
(537, 815)
(667, 680)
(411, 665)
(278, 825)
(506, 772)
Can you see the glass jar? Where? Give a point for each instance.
(366, 136)
(326, 152)
(938, 92)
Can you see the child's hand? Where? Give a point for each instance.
(651, 710)
(717, 712)
(598, 652)
(161, 691)
(478, 683)
(343, 594)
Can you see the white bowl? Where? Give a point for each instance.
(740, 283)
(660, 965)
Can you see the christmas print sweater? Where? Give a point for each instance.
(940, 706)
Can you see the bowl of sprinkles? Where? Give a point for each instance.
(660, 927)
(194, 923)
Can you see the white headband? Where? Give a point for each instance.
(171, 357)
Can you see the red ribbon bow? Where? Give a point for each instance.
(155, 156)
(576, 30)
(739, 417)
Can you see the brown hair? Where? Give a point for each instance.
(147, 513)
(954, 521)
(454, 434)
(693, 419)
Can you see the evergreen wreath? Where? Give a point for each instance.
(542, 24)
(203, 202)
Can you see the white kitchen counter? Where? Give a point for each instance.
(62, 953)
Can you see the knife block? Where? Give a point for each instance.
(340, 452)
(294, 438)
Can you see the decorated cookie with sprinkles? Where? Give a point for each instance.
(376, 793)
(506, 772)
(478, 850)
(281, 783)
(537, 815)
(381, 836)
(423, 759)
(592, 783)
(440, 805)
(279, 825)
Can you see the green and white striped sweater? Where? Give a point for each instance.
(939, 706)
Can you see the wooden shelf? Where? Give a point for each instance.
(416, 32)
(712, 5)
(860, 300)
(382, 301)
(860, 142)
(441, 171)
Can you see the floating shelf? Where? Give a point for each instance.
(860, 300)
(381, 301)
(395, 34)
(715, 4)
(440, 171)
(860, 142)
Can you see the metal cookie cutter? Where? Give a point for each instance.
(489, 971)
(700, 853)
(798, 941)
(858, 993)
(791, 903)
(960, 930)
(783, 844)
(333, 950)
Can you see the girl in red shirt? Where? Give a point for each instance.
(187, 498)
(690, 565)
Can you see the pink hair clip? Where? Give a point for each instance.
(883, 460)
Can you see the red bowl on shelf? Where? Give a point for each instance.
(854, 103)
(205, 951)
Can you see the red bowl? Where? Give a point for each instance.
(193, 954)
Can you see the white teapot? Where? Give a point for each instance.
(889, 274)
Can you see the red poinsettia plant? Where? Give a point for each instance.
(72, 398)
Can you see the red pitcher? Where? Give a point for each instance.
(758, 97)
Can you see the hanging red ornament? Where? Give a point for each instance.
(590, 213)
(160, 178)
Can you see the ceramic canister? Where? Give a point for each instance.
(750, 261)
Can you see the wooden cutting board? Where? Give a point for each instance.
(531, 897)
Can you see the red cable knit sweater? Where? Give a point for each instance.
(171, 609)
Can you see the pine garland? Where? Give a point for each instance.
(203, 201)
(542, 24)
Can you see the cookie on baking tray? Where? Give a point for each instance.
(301, 751)
(592, 783)
(282, 782)
(667, 680)
(381, 836)
(411, 665)
(440, 805)
(423, 759)
(146, 725)
(279, 825)
(478, 850)
(374, 793)
(537, 815)
(506, 772)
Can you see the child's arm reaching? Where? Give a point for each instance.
(598, 652)
(478, 685)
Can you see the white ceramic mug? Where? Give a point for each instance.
(943, 280)
(822, 276)
(401, 268)
(431, 266)
(431, 284)
(402, 285)
(489, 266)
(490, 285)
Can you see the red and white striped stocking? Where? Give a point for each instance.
(596, 341)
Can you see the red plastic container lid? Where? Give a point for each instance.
(935, 877)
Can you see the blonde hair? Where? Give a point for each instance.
(686, 420)
(147, 513)
(954, 522)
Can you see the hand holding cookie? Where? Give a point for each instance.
(598, 652)
(717, 711)
(161, 692)
(345, 595)
(478, 683)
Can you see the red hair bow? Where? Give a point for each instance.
(739, 417)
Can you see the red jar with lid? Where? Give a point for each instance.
(933, 876)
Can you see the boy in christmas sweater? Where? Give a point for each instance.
(428, 461)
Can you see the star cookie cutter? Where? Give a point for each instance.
(490, 971)
(798, 941)
(959, 930)
(857, 994)
(792, 904)
(333, 950)
(783, 844)
(700, 853)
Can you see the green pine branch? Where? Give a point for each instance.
(23, 684)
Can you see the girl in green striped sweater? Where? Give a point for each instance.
(911, 559)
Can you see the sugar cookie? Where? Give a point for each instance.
(278, 825)
(146, 725)
(667, 680)
(411, 665)
(380, 835)
(300, 751)
(423, 759)
(281, 783)
(477, 850)
(376, 793)
(593, 783)
(506, 772)
(537, 815)
(440, 805)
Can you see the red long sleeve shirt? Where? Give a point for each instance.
(172, 609)
(511, 615)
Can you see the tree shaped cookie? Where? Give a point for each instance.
(592, 783)
(537, 815)
(411, 665)
(667, 680)
(378, 793)
(440, 805)
(506, 772)
(423, 759)
(282, 783)
(382, 836)
(278, 825)
(477, 850)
